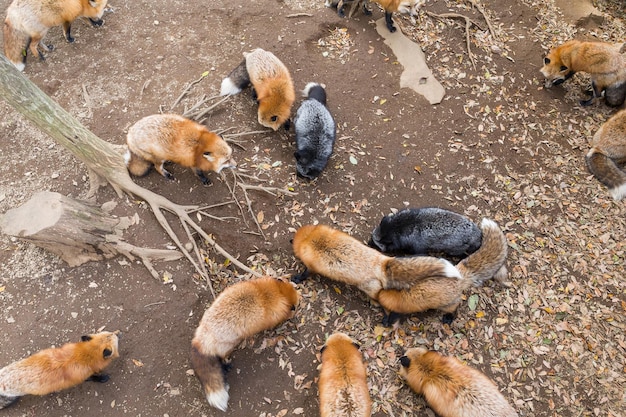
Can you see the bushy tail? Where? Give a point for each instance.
(136, 165)
(15, 44)
(607, 172)
(237, 80)
(488, 261)
(315, 91)
(406, 271)
(210, 371)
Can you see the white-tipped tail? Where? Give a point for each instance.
(307, 88)
(20, 66)
(450, 270)
(229, 88)
(618, 192)
(219, 399)
(127, 157)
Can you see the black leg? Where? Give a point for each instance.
(205, 180)
(448, 318)
(300, 277)
(389, 22)
(96, 23)
(102, 378)
(390, 318)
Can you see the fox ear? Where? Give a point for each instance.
(405, 361)
(93, 3)
(546, 61)
(208, 156)
(85, 338)
(106, 353)
(356, 345)
(564, 68)
(322, 349)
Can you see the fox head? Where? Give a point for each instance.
(104, 345)
(275, 98)
(416, 365)
(556, 66)
(95, 9)
(213, 153)
(410, 7)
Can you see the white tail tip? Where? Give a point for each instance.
(229, 88)
(218, 399)
(618, 192)
(488, 223)
(127, 157)
(451, 271)
(20, 66)
(307, 88)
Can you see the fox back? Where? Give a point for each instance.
(315, 133)
(419, 231)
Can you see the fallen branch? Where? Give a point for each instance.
(102, 159)
(468, 23)
(482, 11)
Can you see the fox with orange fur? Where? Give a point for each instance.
(240, 311)
(338, 256)
(342, 384)
(28, 21)
(158, 138)
(450, 388)
(56, 369)
(604, 62)
(444, 293)
(272, 84)
(409, 7)
(607, 157)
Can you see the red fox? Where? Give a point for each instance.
(450, 388)
(607, 156)
(604, 62)
(156, 139)
(443, 293)
(409, 7)
(28, 21)
(343, 379)
(272, 84)
(340, 257)
(240, 311)
(56, 369)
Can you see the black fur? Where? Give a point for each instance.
(315, 133)
(420, 231)
(6, 401)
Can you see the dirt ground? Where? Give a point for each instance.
(498, 146)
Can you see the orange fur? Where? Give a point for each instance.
(450, 388)
(240, 311)
(340, 257)
(342, 384)
(603, 61)
(56, 369)
(409, 7)
(28, 21)
(607, 157)
(273, 85)
(158, 138)
(444, 293)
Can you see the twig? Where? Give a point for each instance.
(186, 90)
(468, 24)
(299, 15)
(208, 109)
(154, 304)
(482, 11)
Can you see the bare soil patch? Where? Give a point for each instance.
(499, 146)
